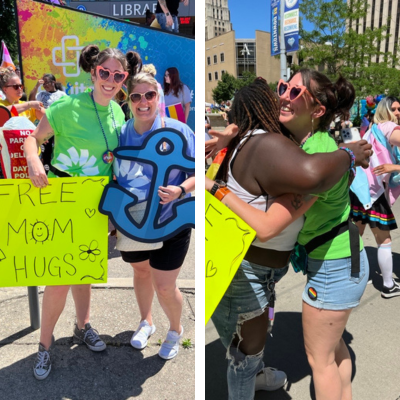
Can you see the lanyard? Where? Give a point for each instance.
(108, 155)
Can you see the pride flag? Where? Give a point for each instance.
(6, 58)
(175, 111)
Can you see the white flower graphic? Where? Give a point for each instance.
(131, 174)
(74, 161)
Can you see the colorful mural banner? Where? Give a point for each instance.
(51, 38)
(227, 239)
(54, 235)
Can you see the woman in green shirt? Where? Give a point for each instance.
(308, 102)
(86, 129)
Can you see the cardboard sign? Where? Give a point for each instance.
(54, 235)
(13, 162)
(227, 240)
(116, 201)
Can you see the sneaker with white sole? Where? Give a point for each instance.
(169, 349)
(90, 337)
(394, 291)
(270, 379)
(42, 365)
(141, 335)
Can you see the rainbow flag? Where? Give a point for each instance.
(6, 58)
(175, 111)
(214, 167)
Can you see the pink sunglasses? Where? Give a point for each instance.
(104, 74)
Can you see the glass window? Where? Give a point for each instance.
(222, 57)
(216, 75)
(209, 76)
(208, 60)
(215, 59)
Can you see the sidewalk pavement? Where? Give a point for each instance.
(118, 373)
(372, 335)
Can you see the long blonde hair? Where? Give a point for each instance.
(384, 112)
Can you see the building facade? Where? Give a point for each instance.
(382, 12)
(218, 18)
(224, 53)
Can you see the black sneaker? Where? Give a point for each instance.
(387, 293)
(42, 365)
(90, 337)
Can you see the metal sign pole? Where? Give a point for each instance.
(34, 312)
(283, 45)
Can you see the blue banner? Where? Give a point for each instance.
(291, 25)
(275, 48)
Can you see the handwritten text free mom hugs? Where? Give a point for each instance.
(53, 235)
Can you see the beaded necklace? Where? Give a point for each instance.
(108, 155)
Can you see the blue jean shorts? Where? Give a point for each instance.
(246, 298)
(332, 286)
(162, 20)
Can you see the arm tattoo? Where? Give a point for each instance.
(49, 136)
(299, 200)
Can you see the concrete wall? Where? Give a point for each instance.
(266, 66)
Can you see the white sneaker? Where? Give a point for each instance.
(169, 349)
(142, 333)
(270, 379)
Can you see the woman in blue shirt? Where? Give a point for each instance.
(155, 270)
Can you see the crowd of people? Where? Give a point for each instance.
(281, 163)
(94, 122)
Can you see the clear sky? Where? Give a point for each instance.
(251, 15)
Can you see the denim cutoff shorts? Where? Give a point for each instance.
(246, 298)
(332, 286)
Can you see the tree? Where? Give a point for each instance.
(335, 45)
(225, 89)
(229, 85)
(8, 30)
(247, 78)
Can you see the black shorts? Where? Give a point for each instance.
(168, 258)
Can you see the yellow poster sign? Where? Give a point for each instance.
(54, 235)
(227, 240)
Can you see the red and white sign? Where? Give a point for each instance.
(13, 161)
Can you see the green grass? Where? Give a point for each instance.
(186, 343)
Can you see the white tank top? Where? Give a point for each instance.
(287, 238)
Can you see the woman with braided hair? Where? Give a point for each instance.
(262, 165)
(87, 123)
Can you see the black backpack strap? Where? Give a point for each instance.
(326, 237)
(354, 247)
(57, 172)
(335, 231)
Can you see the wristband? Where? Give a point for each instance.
(351, 154)
(221, 193)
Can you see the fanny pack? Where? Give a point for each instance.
(299, 256)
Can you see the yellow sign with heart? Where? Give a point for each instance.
(228, 238)
(54, 235)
